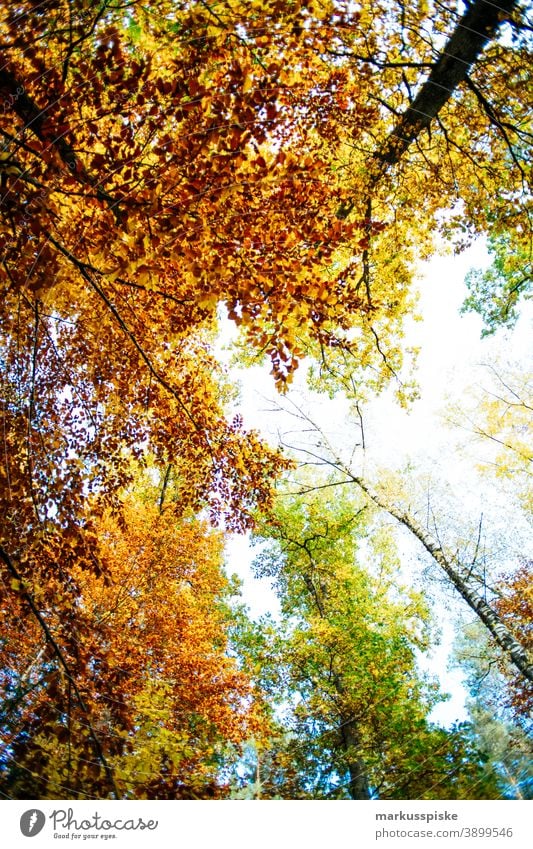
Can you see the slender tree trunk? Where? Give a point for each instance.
(514, 651)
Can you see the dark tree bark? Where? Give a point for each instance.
(473, 32)
(13, 571)
(475, 29)
(38, 121)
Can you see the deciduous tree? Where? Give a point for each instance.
(342, 664)
(391, 496)
(136, 696)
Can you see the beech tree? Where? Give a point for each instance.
(392, 499)
(277, 109)
(134, 138)
(342, 663)
(497, 415)
(135, 696)
(495, 293)
(492, 677)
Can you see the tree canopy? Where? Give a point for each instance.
(165, 167)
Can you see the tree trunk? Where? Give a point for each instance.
(358, 786)
(474, 30)
(350, 740)
(38, 121)
(514, 651)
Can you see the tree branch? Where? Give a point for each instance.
(61, 658)
(474, 30)
(36, 120)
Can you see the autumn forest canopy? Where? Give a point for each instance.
(277, 171)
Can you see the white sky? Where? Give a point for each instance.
(449, 362)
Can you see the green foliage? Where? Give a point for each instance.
(341, 669)
(495, 293)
